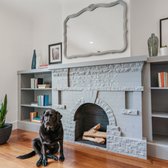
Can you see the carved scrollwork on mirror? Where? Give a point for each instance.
(96, 30)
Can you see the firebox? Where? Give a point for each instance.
(86, 117)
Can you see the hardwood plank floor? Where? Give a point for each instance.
(76, 156)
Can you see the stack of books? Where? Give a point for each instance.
(43, 100)
(163, 79)
(34, 82)
(34, 117)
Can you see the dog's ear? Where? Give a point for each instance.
(59, 116)
(42, 119)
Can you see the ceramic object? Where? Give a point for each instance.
(33, 66)
(153, 45)
(5, 133)
(163, 51)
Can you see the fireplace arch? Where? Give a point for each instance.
(87, 116)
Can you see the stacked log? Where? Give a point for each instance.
(95, 135)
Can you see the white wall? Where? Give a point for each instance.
(19, 36)
(145, 16)
(47, 29)
(15, 54)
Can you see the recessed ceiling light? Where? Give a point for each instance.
(91, 42)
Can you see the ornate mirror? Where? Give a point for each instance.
(96, 30)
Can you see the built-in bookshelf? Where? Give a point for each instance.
(159, 99)
(34, 97)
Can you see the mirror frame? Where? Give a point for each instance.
(92, 7)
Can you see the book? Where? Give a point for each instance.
(36, 119)
(38, 81)
(46, 100)
(33, 115)
(44, 86)
(43, 66)
(32, 83)
(163, 79)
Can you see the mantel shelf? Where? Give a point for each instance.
(159, 88)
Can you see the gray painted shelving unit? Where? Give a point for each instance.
(27, 95)
(157, 108)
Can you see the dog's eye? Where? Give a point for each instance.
(46, 114)
(50, 115)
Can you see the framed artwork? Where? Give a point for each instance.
(163, 32)
(55, 53)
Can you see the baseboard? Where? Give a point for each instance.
(15, 125)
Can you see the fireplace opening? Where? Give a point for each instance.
(86, 118)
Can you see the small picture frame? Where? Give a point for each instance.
(163, 32)
(55, 53)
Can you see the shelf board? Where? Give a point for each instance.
(160, 114)
(160, 139)
(159, 88)
(28, 121)
(36, 89)
(158, 59)
(34, 71)
(29, 105)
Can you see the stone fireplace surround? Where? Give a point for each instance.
(116, 87)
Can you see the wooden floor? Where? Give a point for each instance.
(76, 156)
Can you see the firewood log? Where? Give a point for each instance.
(97, 140)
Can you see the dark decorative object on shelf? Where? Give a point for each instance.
(33, 66)
(153, 45)
(5, 129)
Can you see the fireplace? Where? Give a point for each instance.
(86, 117)
(109, 94)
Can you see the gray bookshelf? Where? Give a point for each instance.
(158, 98)
(28, 96)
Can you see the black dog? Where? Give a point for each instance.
(50, 140)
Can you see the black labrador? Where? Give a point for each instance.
(50, 140)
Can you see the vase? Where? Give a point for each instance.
(5, 133)
(33, 66)
(153, 45)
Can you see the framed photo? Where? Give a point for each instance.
(55, 53)
(163, 32)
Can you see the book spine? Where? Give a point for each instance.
(165, 79)
(46, 100)
(32, 83)
(42, 100)
(39, 100)
(159, 79)
(162, 78)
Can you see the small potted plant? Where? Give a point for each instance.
(5, 129)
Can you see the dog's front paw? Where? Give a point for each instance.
(62, 158)
(52, 157)
(39, 162)
(44, 162)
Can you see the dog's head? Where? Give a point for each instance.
(51, 119)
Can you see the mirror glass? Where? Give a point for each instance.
(96, 30)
